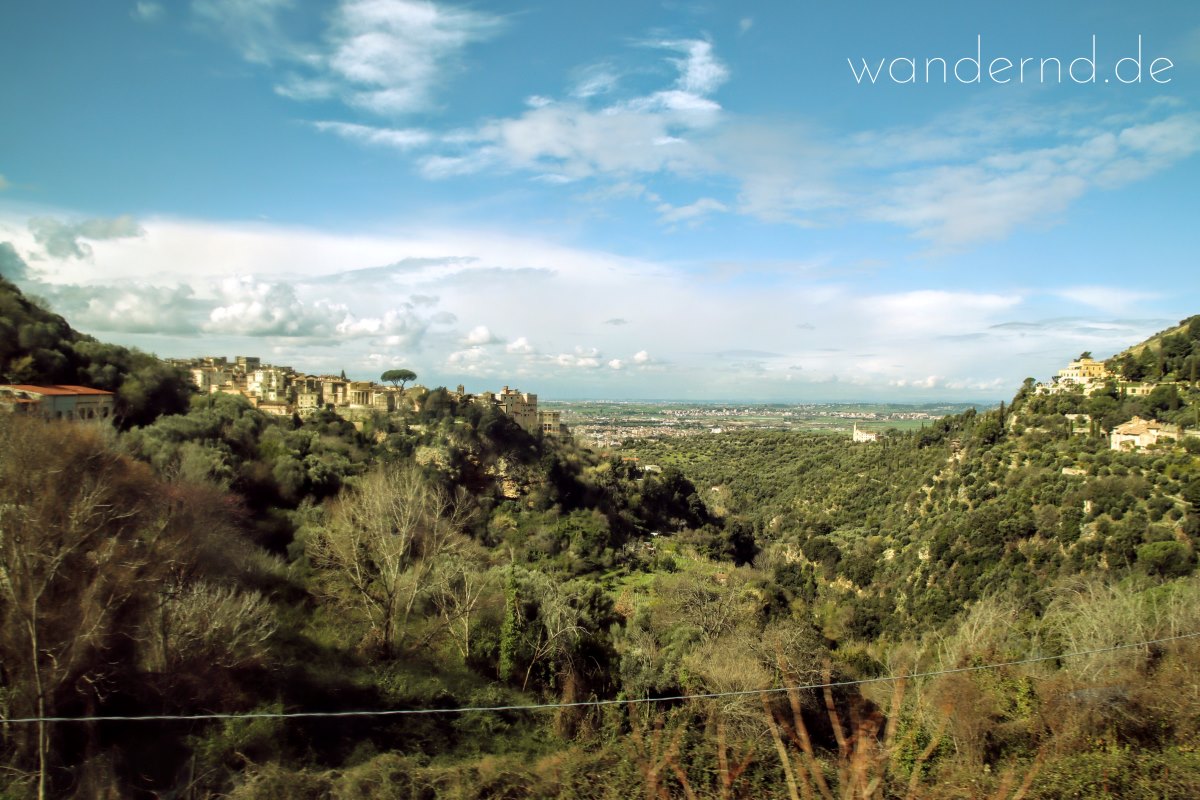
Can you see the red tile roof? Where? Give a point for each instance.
(56, 390)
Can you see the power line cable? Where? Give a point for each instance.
(397, 712)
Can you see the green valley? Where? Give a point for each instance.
(206, 600)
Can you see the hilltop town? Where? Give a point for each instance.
(282, 391)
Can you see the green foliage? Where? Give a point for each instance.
(511, 643)
(1166, 559)
(1169, 355)
(39, 347)
(398, 377)
(1131, 774)
(515, 569)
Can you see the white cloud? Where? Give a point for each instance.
(700, 72)
(928, 382)
(691, 213)
(397, 327)
(1110, 299)
(573, 138)
(258, 308)
(963, 178)
(64, 239)
(1162, 142)
(926, 312)
(295, 286)
(596, 80)
(396, 138)
(4, 184)
(388, 56)
(251, 26)
(469, 356)
(250, 306)
(147, 12)
(127, 308)
(987, 197)
(619, 191)
(480, 335)
(582, 358)
(971, 177)
(520, 345)
(383, 56)
(575, 142)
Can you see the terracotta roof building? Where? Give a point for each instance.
(1139, 433)
(57, 401)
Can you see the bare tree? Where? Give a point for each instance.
(459, 582)
(727, 664)
(381, 547)
(219, 626)
(81, 537)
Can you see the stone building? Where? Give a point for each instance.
(385, 399)
(358, 393)
(521, 406)
(307, 402)
(280, 390)
(334, 391)
(550, 422)
(211, 379)
(269, 383)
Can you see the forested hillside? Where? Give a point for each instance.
(1170, 355)
(903, 534)
(221, 561)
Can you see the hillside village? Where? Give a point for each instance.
(1087, 376)
(282, 391)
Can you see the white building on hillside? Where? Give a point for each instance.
(1139, 433)
(865, 436)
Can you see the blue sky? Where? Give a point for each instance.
(676, 200)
